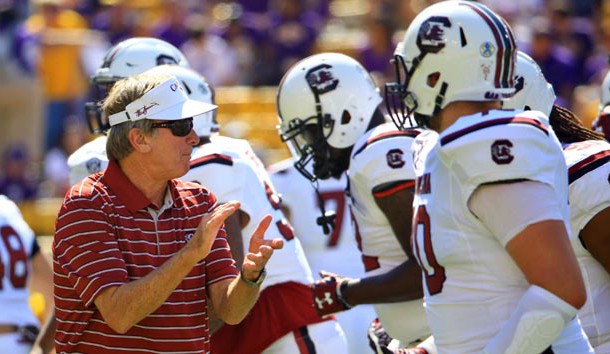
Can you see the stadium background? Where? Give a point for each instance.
(368, 30)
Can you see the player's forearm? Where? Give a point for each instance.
(124, 306)
(402, 283)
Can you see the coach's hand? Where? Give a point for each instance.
(260, 250)
(208, 227)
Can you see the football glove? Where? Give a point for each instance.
(327, 296)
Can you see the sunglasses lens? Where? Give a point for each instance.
(181, 127)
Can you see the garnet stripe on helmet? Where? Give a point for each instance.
(506, 45)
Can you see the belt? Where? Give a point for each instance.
(8, 328)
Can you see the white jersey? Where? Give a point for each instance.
(471, 284)
(87, 159)
(589, 170)
(229, 168)
(16, 246)
(337, 252)
(383, 155)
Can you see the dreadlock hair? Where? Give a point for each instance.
(569, 128)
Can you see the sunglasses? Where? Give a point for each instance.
(181, 127)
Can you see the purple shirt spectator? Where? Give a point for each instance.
(15, 182)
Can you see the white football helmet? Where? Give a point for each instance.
(198, 89)
(532, 91)
(325, 100)
(130, 57)
(134, 56)
(467, 48)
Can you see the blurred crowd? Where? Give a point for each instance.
(250, 43)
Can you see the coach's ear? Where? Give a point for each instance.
(139, 141)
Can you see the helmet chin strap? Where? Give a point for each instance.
(327, 219)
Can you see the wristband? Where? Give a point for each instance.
(340, 287)
(256, 283)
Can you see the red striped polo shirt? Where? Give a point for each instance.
(105, 236)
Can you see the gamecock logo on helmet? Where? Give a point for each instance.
(431, 36)
(394, 158)
(321, 79)
(500, 152)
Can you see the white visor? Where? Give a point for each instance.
(167, 101)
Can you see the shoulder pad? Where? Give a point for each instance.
(212, 158)
(383, 155)
(585, 156)
(588, 171)
(500, 146)
(380, 133)
(282, 167)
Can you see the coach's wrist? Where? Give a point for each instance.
(254, 280)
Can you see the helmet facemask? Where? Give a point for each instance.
(307, 141)
(400, 102)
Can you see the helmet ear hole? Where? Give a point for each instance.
(463, 37)
(346, 117)
(433, 79)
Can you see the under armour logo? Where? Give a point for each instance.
(144, 110)
(327, 299)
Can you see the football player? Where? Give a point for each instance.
(329, 114)
(587, 156)
(23, 268)
(338, 250)
(490, 228)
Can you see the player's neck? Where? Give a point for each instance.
(455, 110)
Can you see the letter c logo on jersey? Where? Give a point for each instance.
(394, 158)
(500, 152)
